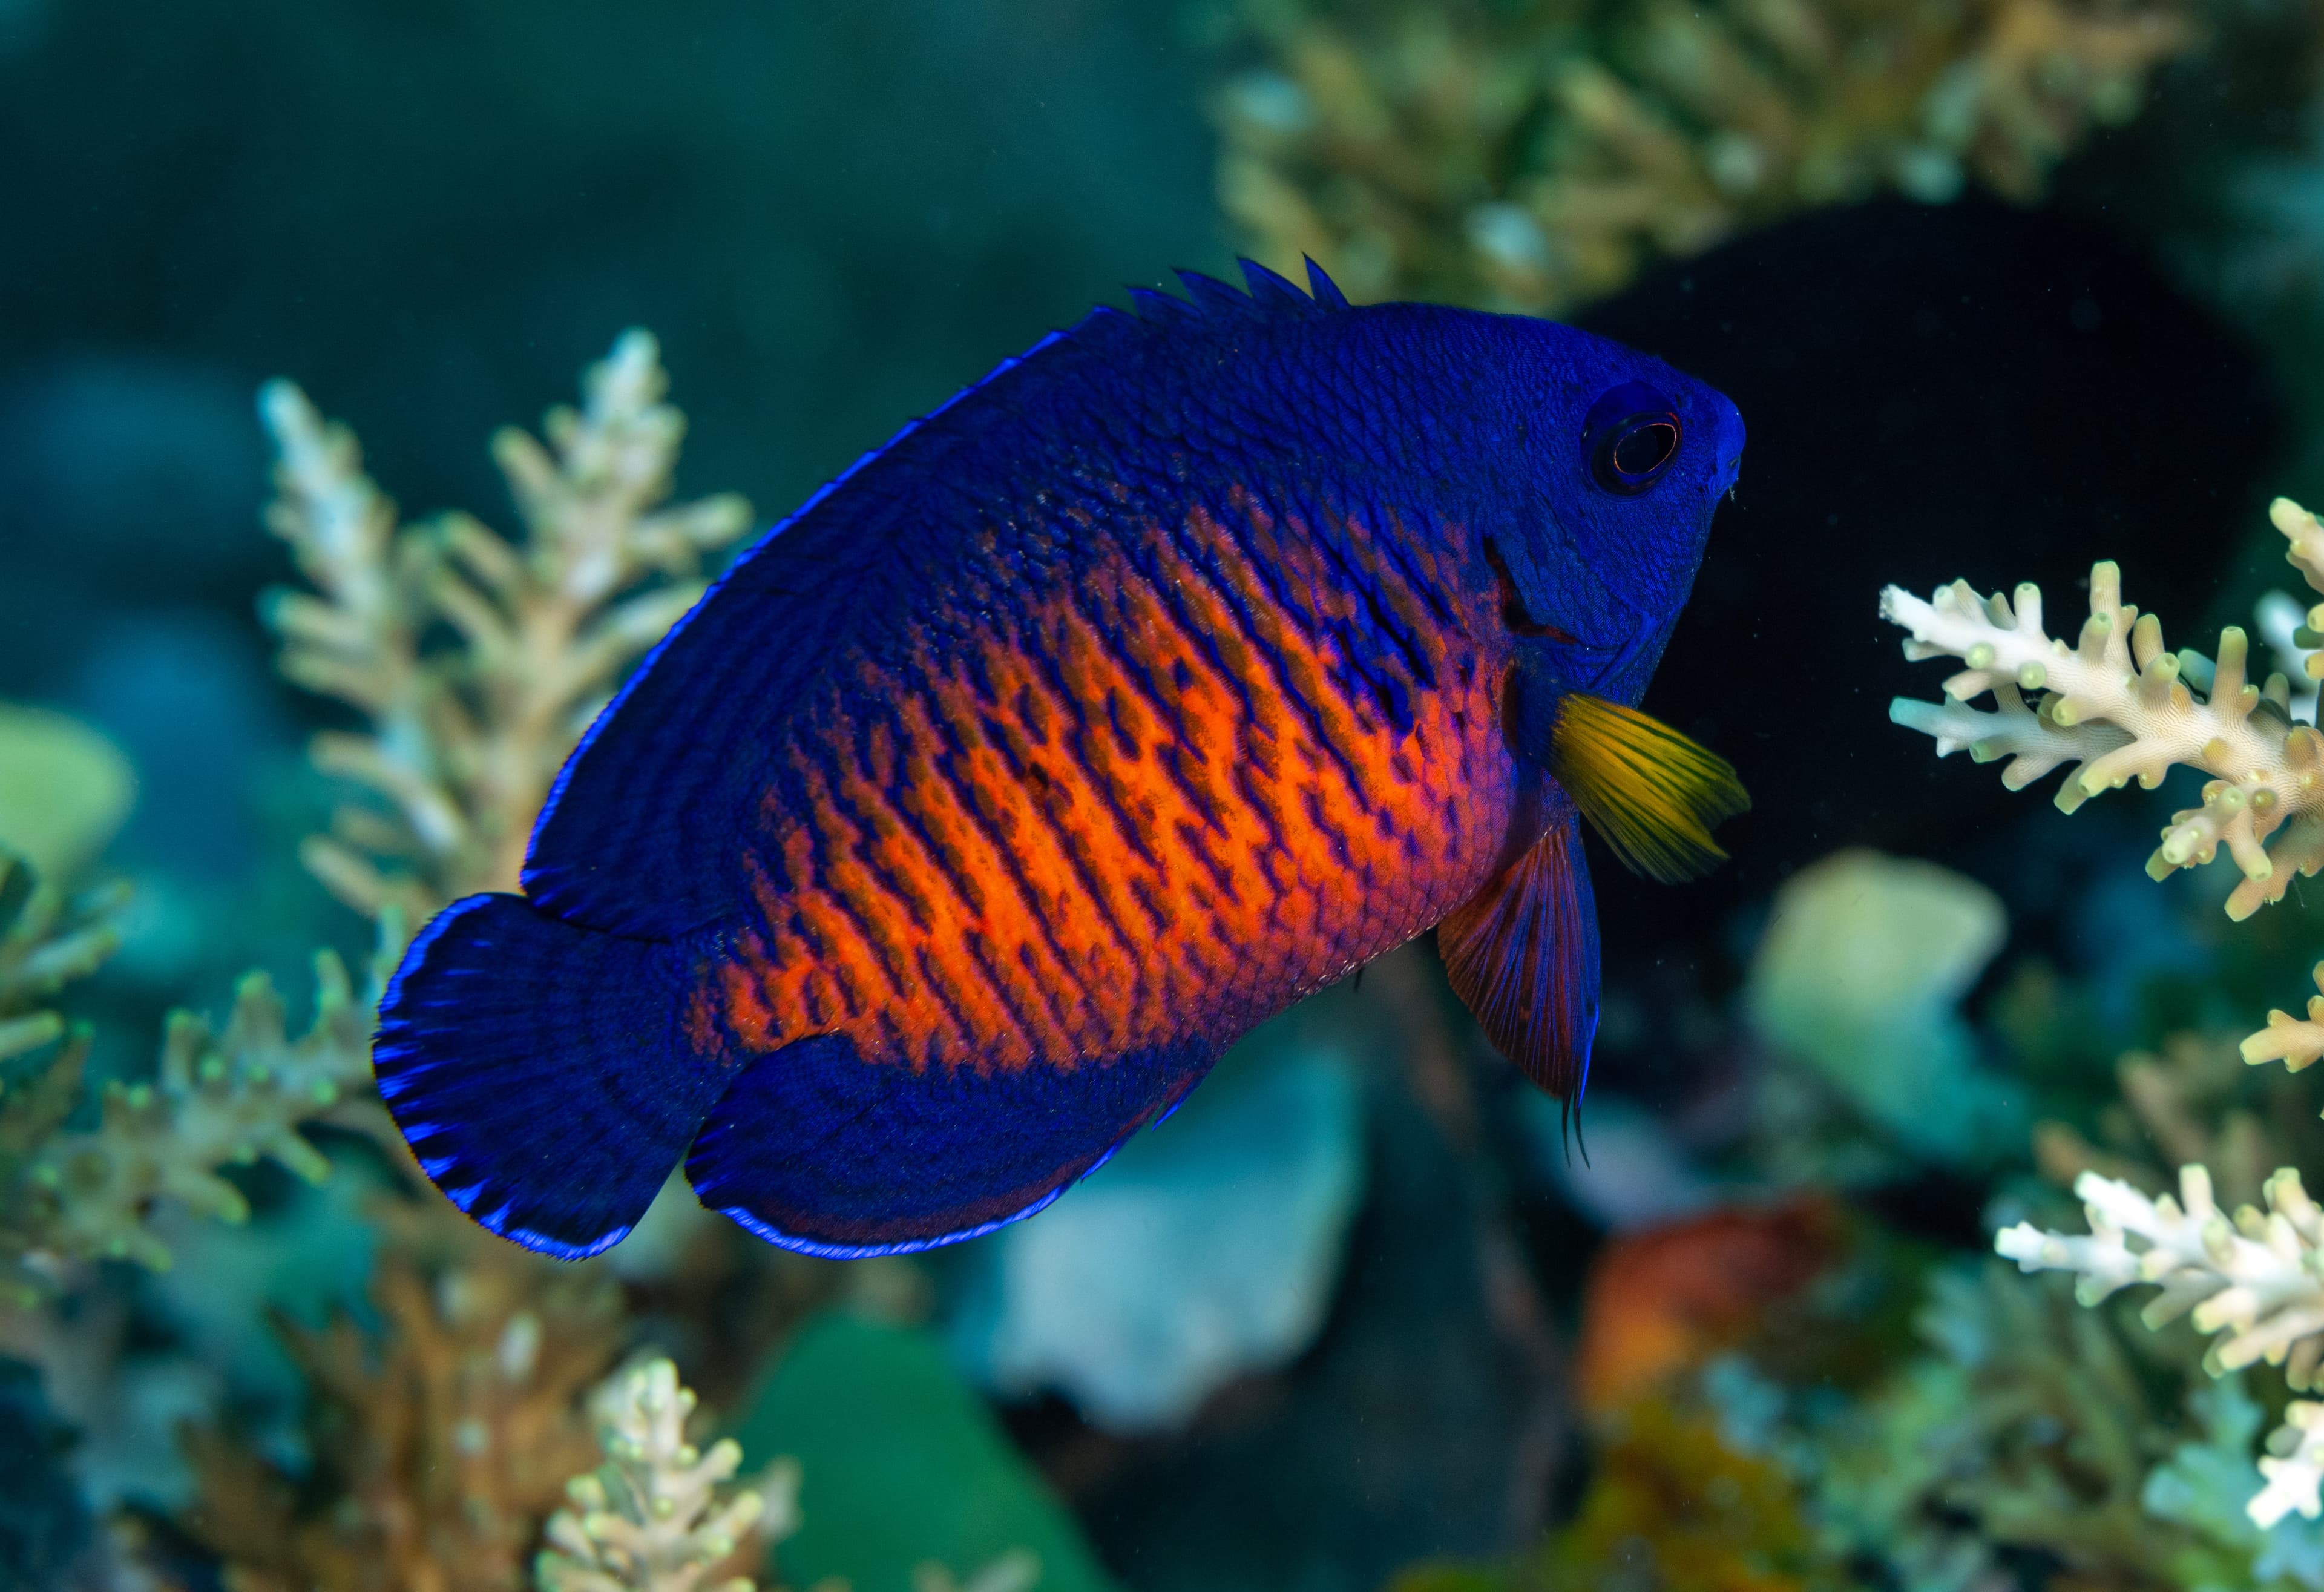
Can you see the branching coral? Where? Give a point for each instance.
(2118, 705)
(464, 740)
(2036, 1425)
(46, 942)
(652, 1517)
(1535, 155)
(2295, 1042)
(438, 1449)
(2255, 1282)
(2192, 1099)
(220, 1097)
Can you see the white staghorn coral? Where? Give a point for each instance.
(464, 741)
(2295, 1467)
(651, 1518)
(2118, 705)
(2255, 1282)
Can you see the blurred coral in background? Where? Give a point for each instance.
(1533, 155)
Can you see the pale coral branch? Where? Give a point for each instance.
(2295, 1042)
(222, 1097)
(219, 1097)
(2115, 707)
(657, 1516)
(2294, 1466)
(464, 740)
(2255, 1282)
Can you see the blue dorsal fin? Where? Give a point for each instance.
(1271, 291)
(1322, 288)
(1214, 297)
(1156, 308)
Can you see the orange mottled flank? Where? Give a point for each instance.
(1153, 802)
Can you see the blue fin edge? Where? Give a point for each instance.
(775, 1235)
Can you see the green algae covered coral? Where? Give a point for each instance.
(1531, 155)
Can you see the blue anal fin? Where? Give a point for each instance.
(815, 1150)
(540, 1072)
(1522, 955)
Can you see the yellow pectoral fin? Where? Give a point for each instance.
(1650, 792)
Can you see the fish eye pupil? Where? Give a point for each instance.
(1641, 449)
(1630, 438)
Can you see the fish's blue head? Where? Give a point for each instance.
(1595, 471)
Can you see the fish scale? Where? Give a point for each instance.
(986, 859)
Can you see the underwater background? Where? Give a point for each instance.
(2002, 288)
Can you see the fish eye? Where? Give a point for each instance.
(1631, 435)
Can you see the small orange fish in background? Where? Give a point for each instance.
(1663, 1301)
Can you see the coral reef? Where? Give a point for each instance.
(2114, 706)
(2029, 1424)
(2118, 705)
(652, 1517)
(464, 739)
(2255, 1280)
(220, 1097)
(1535, 155)
(437, 1448)
(2191, 1099)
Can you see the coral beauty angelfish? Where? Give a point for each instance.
(1166, 675)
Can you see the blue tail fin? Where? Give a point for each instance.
(539, 1071)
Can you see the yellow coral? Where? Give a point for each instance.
(2295, 1042)
(1534, 156)
(464, 741)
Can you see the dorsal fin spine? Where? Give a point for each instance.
(1214, 297)
(1271, 290)
(1322, 288)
